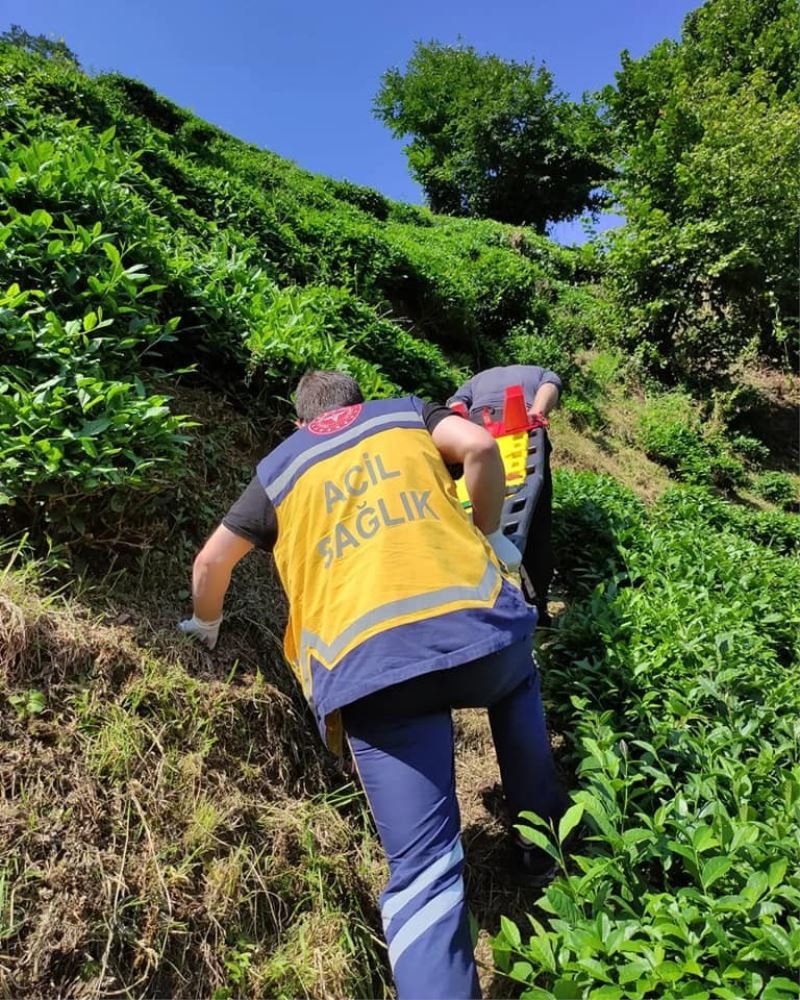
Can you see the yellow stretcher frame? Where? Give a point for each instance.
(514, 452)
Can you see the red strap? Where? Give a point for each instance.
(538, 420)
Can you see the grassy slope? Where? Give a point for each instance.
(170, 826)
(189, 856)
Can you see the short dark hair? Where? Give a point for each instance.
(318, 391)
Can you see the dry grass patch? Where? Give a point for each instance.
(611, 450)
(169, 821)
(491, 882)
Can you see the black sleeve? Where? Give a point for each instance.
(253, 517)
(433, 413)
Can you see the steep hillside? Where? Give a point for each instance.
(169, 825)
(156, 247)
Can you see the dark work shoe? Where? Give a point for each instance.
(534, 867)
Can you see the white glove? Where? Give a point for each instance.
(206, 632)
(505, 550)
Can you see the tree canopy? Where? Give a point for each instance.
(39, 44)
(492, 138)
(707, 137)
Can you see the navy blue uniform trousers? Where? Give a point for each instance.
(402, 742)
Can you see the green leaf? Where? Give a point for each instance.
(36, 702)
(94, 427)
(89, 321)
(780, 939)
(510, 931)
(776, 872)
(631, 971)
(537, 839)
(757, 883)
(535, 819)
(703, 839)
(733, 972)
(595, 968)
(565, 988)
(668, 972)
(522, 972)
(635, 835)
(112, 253)
(40, 217)
(569, 821)
(714, 869)
(541, 951)
(779, 988)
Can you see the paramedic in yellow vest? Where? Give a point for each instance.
(399, 611)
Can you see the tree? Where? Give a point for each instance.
(492, 138)
(39, 44)
(707, 134)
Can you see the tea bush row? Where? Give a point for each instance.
(453, 279)
(140, 246)
(676, 674)
(671, 431)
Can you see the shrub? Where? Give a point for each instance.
(122, 266)
(753, 451)
(362, 197)
(583, 412)
(73, 413)
(603, 368)
(702, 507)
(322, 327)
(669, 432)
(777, 487)
(594, 518)
(584, 316)
(528, 347)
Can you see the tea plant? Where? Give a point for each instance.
(141, 248)
(670, 432)
(677, 676)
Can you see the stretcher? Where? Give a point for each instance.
(521, 441)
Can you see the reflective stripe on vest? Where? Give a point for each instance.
(435, 600)
(398, 419)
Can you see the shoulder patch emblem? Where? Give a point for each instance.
(335, 420)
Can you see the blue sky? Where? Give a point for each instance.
(299, 77)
